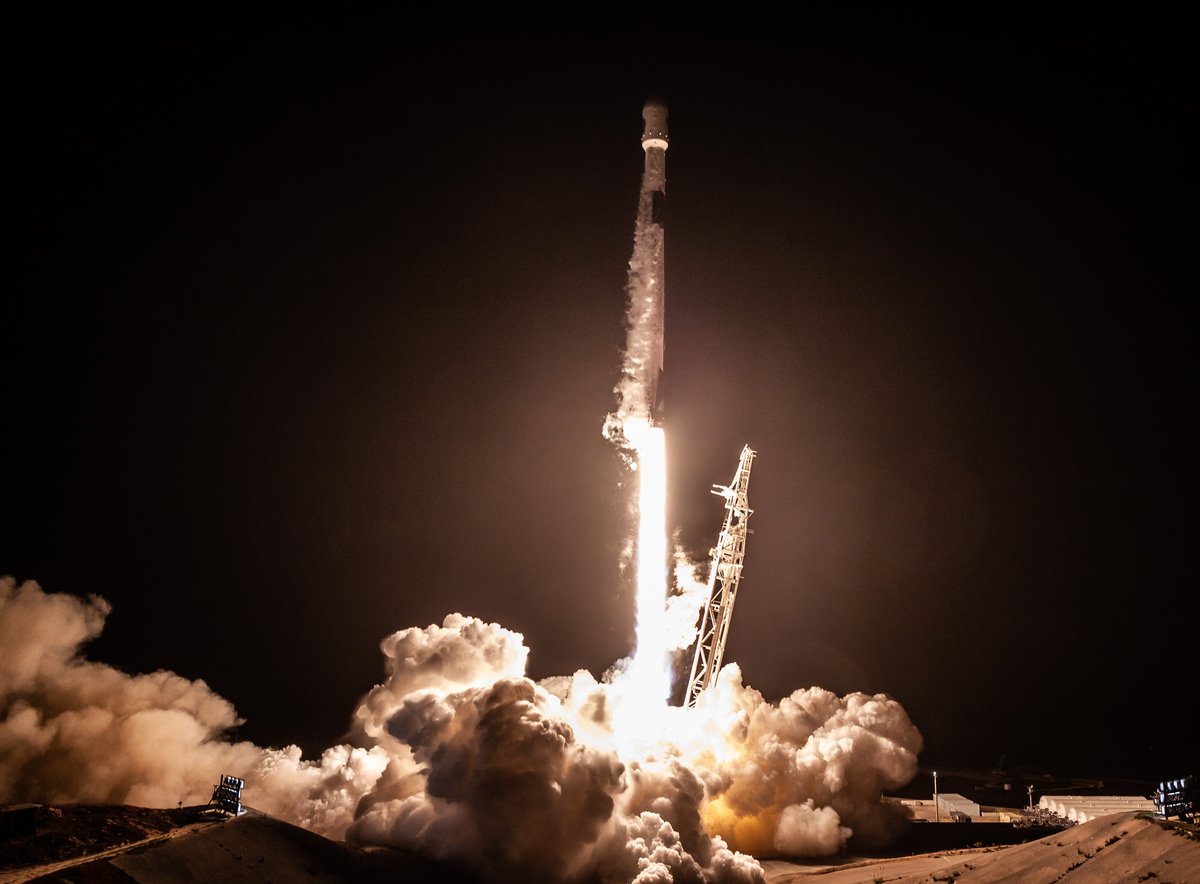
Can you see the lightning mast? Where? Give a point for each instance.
(723, 579)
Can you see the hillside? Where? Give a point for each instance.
(118, 845)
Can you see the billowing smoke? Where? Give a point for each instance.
(73, 730)
(461, 755)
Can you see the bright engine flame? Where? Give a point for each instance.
(648, 687)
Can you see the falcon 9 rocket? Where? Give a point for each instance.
(646, 267)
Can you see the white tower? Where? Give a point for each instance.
(723, 579)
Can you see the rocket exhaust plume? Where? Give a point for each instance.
(457, 753)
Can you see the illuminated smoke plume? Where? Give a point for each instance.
(461, 756)
(73, 730)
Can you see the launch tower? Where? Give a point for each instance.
(723, 579)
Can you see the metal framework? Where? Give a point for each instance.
(227, 795)
(723, 579)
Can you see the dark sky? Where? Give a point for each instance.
(311, 327)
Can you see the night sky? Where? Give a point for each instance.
(312, 325)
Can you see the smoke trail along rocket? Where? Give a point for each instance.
(647, 269)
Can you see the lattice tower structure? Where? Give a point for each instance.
(723, 579)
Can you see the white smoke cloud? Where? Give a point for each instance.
(461, 756)
(683, 606)
(73, 730)
(805, 830)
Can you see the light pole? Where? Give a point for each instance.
(1029, 789)
(937, 814)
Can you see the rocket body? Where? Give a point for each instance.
(637, 391)
(647, 276)
(654, 143)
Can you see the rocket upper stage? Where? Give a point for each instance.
(654, 134)
(654, 143)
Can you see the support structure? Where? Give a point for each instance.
(227, 795)
(723, 579)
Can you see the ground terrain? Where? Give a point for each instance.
(90, 844)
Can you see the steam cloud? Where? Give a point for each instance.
(458, 754)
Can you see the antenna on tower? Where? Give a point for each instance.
(723, 579)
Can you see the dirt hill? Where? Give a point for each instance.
(119, 845)
(1125, 847)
